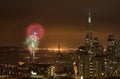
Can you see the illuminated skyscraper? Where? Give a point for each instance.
(113, 57)
(89, 36)
(90, 57)
(89, 45)
(83, 62)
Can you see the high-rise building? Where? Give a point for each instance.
(90, 57)
(83, 62)
(89, 45)
(89, 37)
(111, 45)
(97, 47)
(112, 59)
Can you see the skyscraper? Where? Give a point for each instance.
(89, 37)
(85, 54)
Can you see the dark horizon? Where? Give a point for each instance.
(64, 21)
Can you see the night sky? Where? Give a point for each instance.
(64, 21)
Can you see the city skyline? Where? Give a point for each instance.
(64, 22)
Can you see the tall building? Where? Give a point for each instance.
(89, 45)
(90, 57)
(83, 63)
(113, 56)
(89, 37)
(97, 47)
(111, 44)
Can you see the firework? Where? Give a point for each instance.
(34, 34)
(35, 29)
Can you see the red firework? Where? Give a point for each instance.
(35, 29)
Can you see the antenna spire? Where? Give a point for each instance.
(89, 18)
